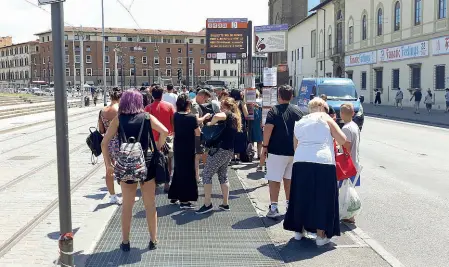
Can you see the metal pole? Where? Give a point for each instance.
(74, 64)
(104, 54)
(62, 141)
(135, 73)
(250, 47)
(187, 65)
(116, 68)
(82, 68)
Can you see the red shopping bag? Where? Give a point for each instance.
(344, 164)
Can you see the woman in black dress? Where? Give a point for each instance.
(184, 185)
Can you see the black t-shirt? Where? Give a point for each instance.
(283, 117)
(331, 111)
(418, 96)
(228, 134)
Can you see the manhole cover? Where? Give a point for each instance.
(23, 158)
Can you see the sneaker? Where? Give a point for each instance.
(125, 247)
(152, 245)
(114, 199)
(320, 241)
(273, 213)
(187, 206)
(298, 236)
(259, 168)
(204, 209)
(173, 201)
(224, 207)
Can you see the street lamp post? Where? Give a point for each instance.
(104, 54)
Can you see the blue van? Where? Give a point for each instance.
(337, 90)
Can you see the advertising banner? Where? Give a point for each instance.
(361, 59)
(270, 38)
(409, 51)
(440, 46)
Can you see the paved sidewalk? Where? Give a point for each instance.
(436, 117)
(235, 238)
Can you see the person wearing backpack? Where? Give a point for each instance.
(133, 126)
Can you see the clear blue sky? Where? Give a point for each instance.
(313, 3)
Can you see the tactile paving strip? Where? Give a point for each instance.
(235, 238)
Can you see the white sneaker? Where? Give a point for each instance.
(298, 236)
(322, 241)
(114, 199)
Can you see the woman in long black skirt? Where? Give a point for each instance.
(313, 204)
(184, 186)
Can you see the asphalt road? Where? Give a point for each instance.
(405, 186)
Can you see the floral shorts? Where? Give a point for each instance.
(113, 147)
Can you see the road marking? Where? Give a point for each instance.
(409, 123)
(374, 245)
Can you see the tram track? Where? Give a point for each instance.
(6, 246)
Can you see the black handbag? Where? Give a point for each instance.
(210, 135)
(157, 163)
(94, 143)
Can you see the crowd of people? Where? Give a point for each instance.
(297, 149)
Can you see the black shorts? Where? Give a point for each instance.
(133, 182)
(199, 146)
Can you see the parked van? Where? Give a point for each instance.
(337, 90)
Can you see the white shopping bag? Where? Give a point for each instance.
(349, 201)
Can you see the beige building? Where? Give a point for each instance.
(17, 62)
(5, 41)
(391, 44)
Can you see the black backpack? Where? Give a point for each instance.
(94, 142)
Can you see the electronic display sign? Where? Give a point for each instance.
(226, 38)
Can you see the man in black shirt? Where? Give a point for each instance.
(418, 96)
(278, 146)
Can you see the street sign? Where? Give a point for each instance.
(47, 2)
(226, 38)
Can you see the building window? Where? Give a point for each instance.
(302, 52)
(89, 72)
(178, 41)
(203, 51)
(395, 79)
(418, 10)
(217, 73)
(132, 60)
(416, 77)
(67, 72)
(156, 60)
(225, 73)
(88, 48)
(166, 41)
(44, 73)
(106, 59)
(380, 19)
(78, 72)
(202, 41)
(156, 73)
(350, 74)
(130, 39)
(106, 49)
(106, 38)
(202, 60)
(190, 50)
(131, 72)
(179, 60)
(329, 41)
(440, 72)
(364, 28)
(144, 72)
(43, 61)
(119, 38)
(179, 50)
(168, 60)
(144, 60)
(216, 61)
(77, 59)
(108, 72)
(363, 80)
(202, 72)
(442, 9)
(190, 41)
(168, 73)
(191, 60)
(191, 72)
(313, 44)
(144, 49)
(168, 50)
(88, 59)
(293, 57)
(379, 78)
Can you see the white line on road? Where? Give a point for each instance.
(409, 123)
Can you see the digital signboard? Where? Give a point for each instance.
(226, 38)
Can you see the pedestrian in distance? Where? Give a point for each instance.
(428, 100)
(220, 156)
(107, 114)
(417, 95)
(352, 144)
(377, 99)
(278, 147)
(131, 123)
(446, 96)
(399, 97)
(330, 110)
(163, 111)
(184, 185)
(170, 96)
(314, 193)
(241, 139)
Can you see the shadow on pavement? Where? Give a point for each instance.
(255, 175)
(221, 196)
(162, 211)
(116, 257)
(102, 206)
(304, 249)
(190, 216)
(103, 189)
(96, 196)
(55, 235)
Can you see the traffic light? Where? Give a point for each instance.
(179, 74)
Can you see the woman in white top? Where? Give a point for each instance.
(313, 205)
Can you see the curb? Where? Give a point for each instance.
(385, 116)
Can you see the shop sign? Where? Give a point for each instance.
(361, 59)
(440, 46)
(409, 51)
